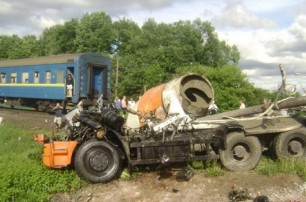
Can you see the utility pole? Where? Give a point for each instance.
(116, 81)
(144, 88)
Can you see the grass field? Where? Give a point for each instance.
(22, 176)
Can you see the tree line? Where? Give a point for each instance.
(146, 55)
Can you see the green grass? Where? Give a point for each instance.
(211, 168)
(270, 167)
(266, 166)
(22, 176)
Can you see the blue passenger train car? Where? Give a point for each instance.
(41, 82)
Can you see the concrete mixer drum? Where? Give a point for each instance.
(194, 92)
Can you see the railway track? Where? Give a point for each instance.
(27, 118)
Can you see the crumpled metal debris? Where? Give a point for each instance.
(239, 195)
(185, 174)
(243, 195)
(261, 199)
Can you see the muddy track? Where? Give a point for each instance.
(27, 118)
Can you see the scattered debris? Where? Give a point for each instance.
(185, 174)
(243, 195)
(162, 173)
(175, 190)
(1, 120)
(261, 199)
(239, 195)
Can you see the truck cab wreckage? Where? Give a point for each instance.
(170, 124)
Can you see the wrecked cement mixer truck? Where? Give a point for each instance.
(170, 124)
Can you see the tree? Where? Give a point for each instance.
(66, 36)
(6, 44)
(59, 39)
(168, 47)
(141, 78)
(214, 53)
(49, 44)
(14, 47)
(127, 33)
(95, 33)
(30, 46)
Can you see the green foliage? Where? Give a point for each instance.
(59, 39)
(48, 41)
(67, 35)
(95, 33)
(168, 47)
(14, 47)
(142, 78)
(269, 167)
(23, 177)
(126, 33)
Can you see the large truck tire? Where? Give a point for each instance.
(97, 161)
(291, 144)
(242, 152)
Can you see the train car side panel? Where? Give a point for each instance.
(40, 91)
(43, 79)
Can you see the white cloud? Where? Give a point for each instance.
(260, 6)
(44, 22)
(298, 28)
(262, 49)
(235, 14)
(179, 10)
(5, 8)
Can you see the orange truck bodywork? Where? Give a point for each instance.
(56, 154)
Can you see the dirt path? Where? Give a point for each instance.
(147, 188)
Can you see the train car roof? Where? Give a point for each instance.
(53, 59)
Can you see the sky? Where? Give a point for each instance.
(267, 32)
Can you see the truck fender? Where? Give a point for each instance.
(124, 143)
(231, 127)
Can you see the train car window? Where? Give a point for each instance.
(36, 77)
(13, 77)
(60, 77)
(3, 78)
(25, 77)
(48, 76)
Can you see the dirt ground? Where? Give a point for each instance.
(146, 186)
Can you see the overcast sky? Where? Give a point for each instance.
(267, 32)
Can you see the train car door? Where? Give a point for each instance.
(70, 82)
(97, 82)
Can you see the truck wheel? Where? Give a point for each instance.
(97, 161)
(242, 153)
(291, 144)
